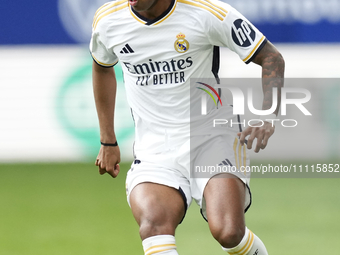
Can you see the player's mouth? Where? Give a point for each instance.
(133, 2)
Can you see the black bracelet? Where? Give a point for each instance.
(109, 144)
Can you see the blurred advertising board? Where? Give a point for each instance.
(69, 21)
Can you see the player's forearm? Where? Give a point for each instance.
(104, 88)
(273, 66)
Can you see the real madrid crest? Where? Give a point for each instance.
(181, 45)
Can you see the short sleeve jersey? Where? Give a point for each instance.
(158, 57)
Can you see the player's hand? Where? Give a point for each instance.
(108, 160)
(261, 134)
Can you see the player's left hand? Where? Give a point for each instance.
(261, 134)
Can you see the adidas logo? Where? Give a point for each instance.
(126, 49)
(225, 162)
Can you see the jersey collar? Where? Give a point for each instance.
(157, 20)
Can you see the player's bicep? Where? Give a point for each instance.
(268, 54)
(101, 74)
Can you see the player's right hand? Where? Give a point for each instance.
(108, 160)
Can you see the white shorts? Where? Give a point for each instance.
(189, 170)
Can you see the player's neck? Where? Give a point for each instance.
(155, 10)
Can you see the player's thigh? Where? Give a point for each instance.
(157, 206)
(224, 197)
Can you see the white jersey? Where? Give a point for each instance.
(160, 56)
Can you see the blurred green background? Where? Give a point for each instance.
(68, 208)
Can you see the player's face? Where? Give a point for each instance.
(150, 8)
(142, 5)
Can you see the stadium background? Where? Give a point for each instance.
(53, 201)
